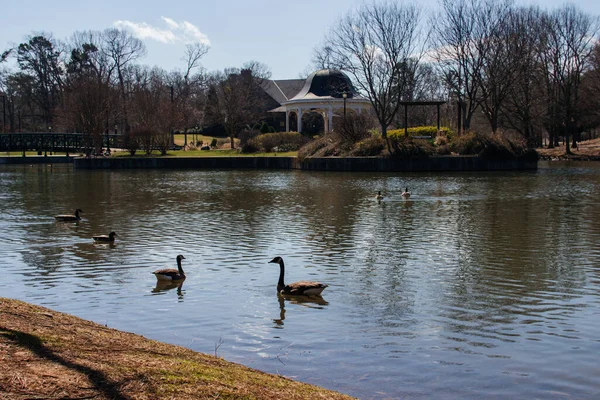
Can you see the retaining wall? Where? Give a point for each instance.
(356, 164)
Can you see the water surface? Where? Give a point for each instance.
(481, 285)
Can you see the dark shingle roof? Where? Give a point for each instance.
(282, 90)
(329, 83)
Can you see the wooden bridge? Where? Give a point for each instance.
(52, 142)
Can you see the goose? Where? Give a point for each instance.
(379, 196)
(69, 217)
(105, 238)
(298, 288)
(406, 194)
(171, 274)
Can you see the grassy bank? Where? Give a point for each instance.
(47, 354)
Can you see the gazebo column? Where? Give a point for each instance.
(329, 119)
(299, 115)
(287, 120)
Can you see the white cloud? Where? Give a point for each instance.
(175, 32)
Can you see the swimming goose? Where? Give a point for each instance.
(379, 196)
(69, 217)
(406, 194)
(298, 288)
(105, 238)
(171, 274)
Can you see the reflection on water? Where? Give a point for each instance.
(316, 302)
(165, 286)
(482, 285)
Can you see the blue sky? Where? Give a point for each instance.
(281, 34)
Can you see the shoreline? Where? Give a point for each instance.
(338, 164)
(50, 354)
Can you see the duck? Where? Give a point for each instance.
(301, 288)
(105, 238)
(406, 193)
(379, 196)
(69, 217)
(171, 274)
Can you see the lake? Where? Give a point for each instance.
(481, 285)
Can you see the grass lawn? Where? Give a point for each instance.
(179, 138)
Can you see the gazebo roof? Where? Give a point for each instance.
(282, 90)
(326, 84)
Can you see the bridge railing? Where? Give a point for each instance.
(52, 142)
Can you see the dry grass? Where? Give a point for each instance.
(588, 149)
(50, 355)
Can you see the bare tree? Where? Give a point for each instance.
(235, 98)
(187, 86)
(525, 103)
(193, 53)
(153, 109)
(454, 38)
(493, 43)
(377, 44)
(566, 53)
(122, 49)
(591, 92)
(89, 98)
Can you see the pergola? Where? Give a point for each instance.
(406, 104)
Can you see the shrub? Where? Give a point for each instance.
(491, 147)
(281, 141)
(251, 146)
(441, 140)
(246, 135)
(431, 131)
(131, 142)
(369, 147)
(407, 147)
(355, 128)
(443, 150)
(322, 146)
(213, 143)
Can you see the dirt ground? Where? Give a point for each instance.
(49, 355)
(586, 150)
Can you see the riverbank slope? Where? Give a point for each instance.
(47, 354)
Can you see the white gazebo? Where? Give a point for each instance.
(328, 92)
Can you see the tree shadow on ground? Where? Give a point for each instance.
(102, 384)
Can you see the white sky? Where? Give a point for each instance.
(281, 34)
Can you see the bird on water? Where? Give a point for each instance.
(110, 238)
(379, 196)
(171, 274)
(69, 217)
(306, 288)
(406, 193)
